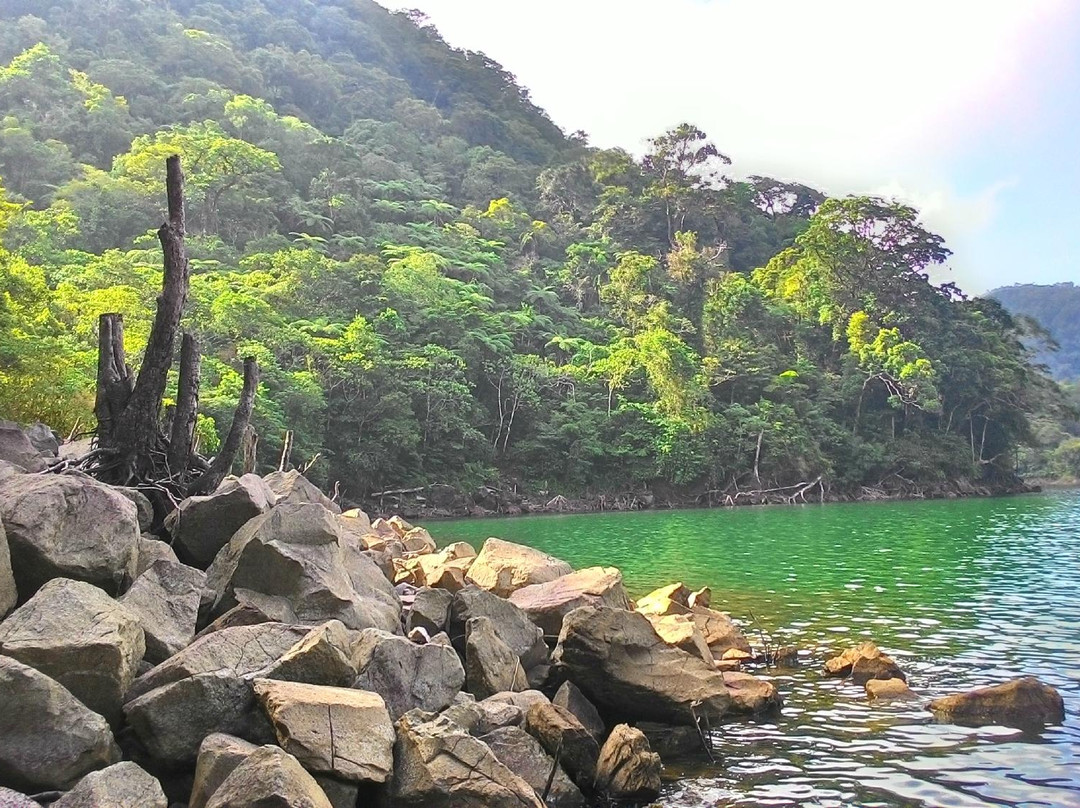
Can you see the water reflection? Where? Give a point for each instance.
(963, 594)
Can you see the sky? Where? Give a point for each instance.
(969, 110)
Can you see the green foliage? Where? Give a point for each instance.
(441, 287)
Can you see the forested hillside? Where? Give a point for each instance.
(441, 287)
(1056, 309)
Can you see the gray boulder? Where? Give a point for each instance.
(9, 594)
(61, 525)
(560, 733)
(293, 488)
(322, 657)
(13, 799)
(123, 785)
(625, 668)
(143, 507)
(172, 721)
(149, 550)
(437, 764)
(511, 624)
(219, 755)
(522, 754)
(165, 599)
(297, 554)
(570, 697)
(16, 447)
(407, 676)
(269, 778)
(43, 439)
(628, 769)
(82, 638)
(490, 664)
(242, 651)
(333, 730)
(201, 526)
(48, 738)
(430, 611)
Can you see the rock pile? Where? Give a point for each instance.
(290, 654)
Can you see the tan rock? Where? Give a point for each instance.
(889, 690)
(1023, 703)
(123, 785)
(702, 597)
(721, 634)
(864, 662)
(427, 569)
(680, 631)
(628, 769)
(418, 540)
(502, 567)
(269, 778)
(219, 755)
(331, 729)
(547, 603)
(670, 599)
(560, 733)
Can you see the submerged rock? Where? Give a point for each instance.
(1024, 703)
(882, 690)
(864, 662)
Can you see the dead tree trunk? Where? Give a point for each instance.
(222, 464)
(187, 406)
(250, 448)
(286, 451)
(133, 428)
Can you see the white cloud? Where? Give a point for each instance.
(852, 96)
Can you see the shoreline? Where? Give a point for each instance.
(412, 505)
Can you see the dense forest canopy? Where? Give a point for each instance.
(441, 287)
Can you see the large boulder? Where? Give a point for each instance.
(219, 755)
(561, 734)
(407, 676)
(296, 556)
(717, 629)
(864, 662)
(680, 631)
(293, 488)
(149, 551)
(437, 764)
(13, 799)
(9, 593)
(48, 738)
(335, 730)
(502, 567)
(172, 721)
(720, 633)
(323, 656)
(269, 778)
(430, 611)
(143, 507)
(201, 526)
(60, 525)
(570, 697)
(547, 604)
(82, 638)
(620, 663)
(491, 666)
(628, 769)
(123, 785)
(16, 447)
(165, 599)
(1025, 703)
(241, 651)
(522, 754)
(511, 624)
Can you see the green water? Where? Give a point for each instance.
(963, 593)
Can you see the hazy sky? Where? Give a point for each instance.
(967, 109)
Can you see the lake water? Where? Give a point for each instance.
(962, 593)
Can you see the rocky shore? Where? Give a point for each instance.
(264, 648)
